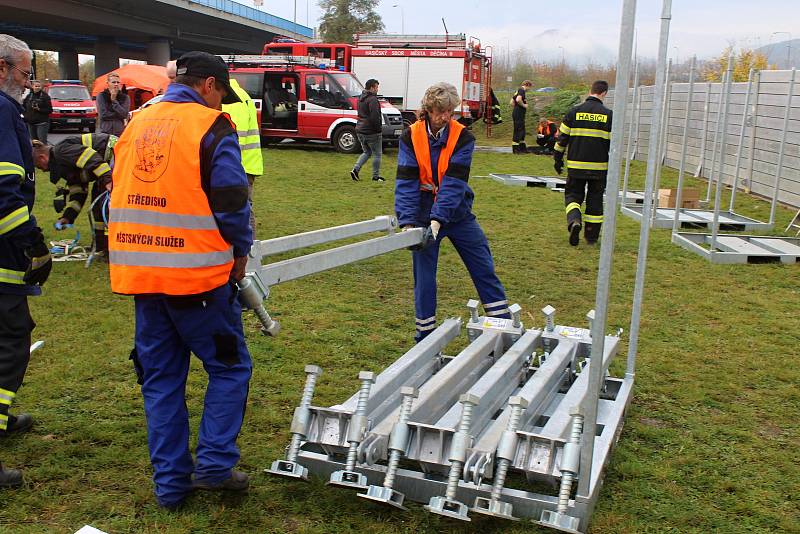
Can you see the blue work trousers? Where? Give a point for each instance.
(471, 244)
(167, 330)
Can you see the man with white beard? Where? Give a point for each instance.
(25, 261)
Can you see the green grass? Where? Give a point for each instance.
(711, 439)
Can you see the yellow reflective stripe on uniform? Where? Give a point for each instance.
(101, 169)
(590, 132)
(588, 165)
(87, 153)
(251, 146)
(564, 129)
(15, 218)
(3, 422)
(592, 218)
(175, 259)
(99, 225)
(6, 167)
(86, 140)
(247, 133)
(6, 396)
(74, 204)
(573, 206)
(7, 276)
(559, 148)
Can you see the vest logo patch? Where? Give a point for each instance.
(153, 145)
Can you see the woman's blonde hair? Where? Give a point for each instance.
(440, 96)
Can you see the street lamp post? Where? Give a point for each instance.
(562, 55)
(402, 19)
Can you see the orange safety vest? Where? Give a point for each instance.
(163, 237)
(546, 129)
(422, 151)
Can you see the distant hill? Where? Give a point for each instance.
(777, 53)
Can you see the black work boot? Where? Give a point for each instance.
(238, 481)
(10, 478)
(574, 233)
(17, 424)
(592, 233)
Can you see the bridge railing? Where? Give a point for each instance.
(235, 8)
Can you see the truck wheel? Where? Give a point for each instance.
(345, 139)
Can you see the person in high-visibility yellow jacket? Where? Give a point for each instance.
(245, 117)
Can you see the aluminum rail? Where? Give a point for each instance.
(607, 243)
(723, 141)
(779, 169)
(684, 144)
(632, 127)
(737, 166)
(644, 232)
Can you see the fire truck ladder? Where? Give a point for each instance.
(277, 61)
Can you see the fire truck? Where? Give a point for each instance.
(305, 98)
(406, 65)
(72, 105)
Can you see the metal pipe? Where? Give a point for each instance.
(723, 142)
(752, 152)
(738, 164)
(644, 231)
(704, 138)
(607, 243)
(662, 139)
(681, 167)
(631, 153)
(779, 170)
(717, 134)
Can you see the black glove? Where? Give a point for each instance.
(427, 239)
(41, 262)
(558, 163)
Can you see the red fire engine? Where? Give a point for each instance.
(406, 65)
(304, 98)
(72, 105)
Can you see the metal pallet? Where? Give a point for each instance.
(741, 248)
(631, 197)
(551, 182)
(511, 400)
(690, 218)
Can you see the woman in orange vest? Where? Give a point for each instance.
(433, 164)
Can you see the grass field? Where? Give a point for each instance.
(711, 439)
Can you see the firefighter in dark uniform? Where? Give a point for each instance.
(520, 105)
(79, 160)
(585, 135)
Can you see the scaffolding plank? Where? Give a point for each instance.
(731, 243)
(778, 245)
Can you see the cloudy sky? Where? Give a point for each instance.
(588, 30)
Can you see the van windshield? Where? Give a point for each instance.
(71, 92)
(352, 87)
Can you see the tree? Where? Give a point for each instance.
(86, 70)
(745, 60)
(46, 65)
(343, 18)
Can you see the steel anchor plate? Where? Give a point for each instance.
(285, 468)
(384, 496)
(348, 479)
(499, 509)
(448, 508)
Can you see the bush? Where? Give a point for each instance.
(561, 103)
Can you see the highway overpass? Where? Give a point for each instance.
(151, 30)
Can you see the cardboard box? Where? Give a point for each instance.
(690, 198)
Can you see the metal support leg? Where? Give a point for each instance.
(448, 505)
(506, 450)
(570, 461)
(348, 477)
(398, 443)
(289, 467)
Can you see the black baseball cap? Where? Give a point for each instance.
(205, 65)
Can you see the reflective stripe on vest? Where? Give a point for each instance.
(422, 151)
(163, 237)
(7, 276)
(15, 218)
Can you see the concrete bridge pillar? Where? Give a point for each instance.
(106, 56)
(68, 64)
(158, 52)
